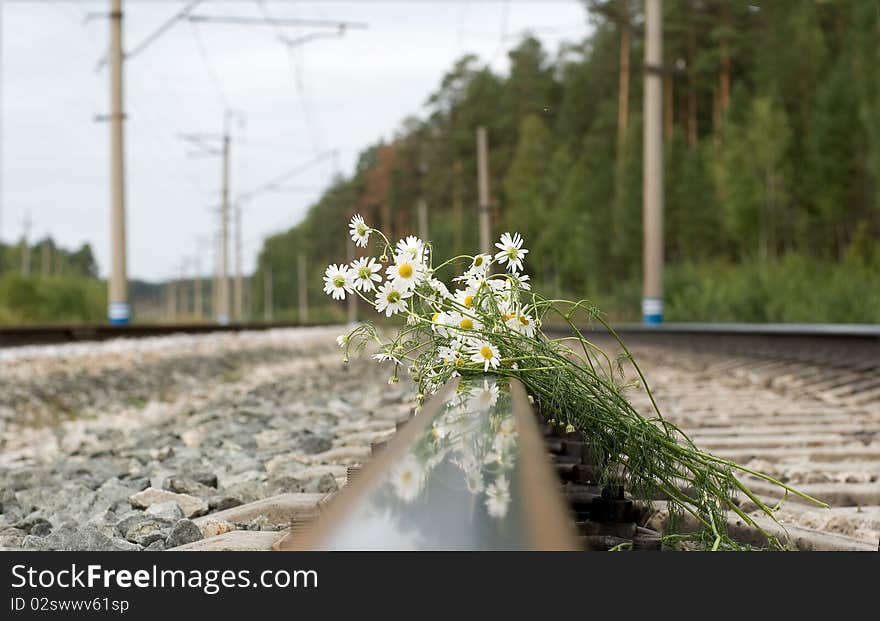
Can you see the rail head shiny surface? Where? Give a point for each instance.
(469, 472)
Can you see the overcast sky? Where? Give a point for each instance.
(355, 90)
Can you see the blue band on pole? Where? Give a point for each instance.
(652, 310)
(118, 313)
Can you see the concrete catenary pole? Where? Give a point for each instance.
(26, 244)
(118, 311)
(238, 290)
(46, 258)
(223, 291)
(652, 180)
(197, 293)
(422, 208)
(483, 187)
(303, 286)
(267, 294)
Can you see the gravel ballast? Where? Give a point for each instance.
(124, 445)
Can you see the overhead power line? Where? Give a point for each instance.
(209, 66)
(274, 184)
(243, 20)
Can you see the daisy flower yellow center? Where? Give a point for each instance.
(478, 261)
(466, 324)
(405, 270)
(339, 281)
(434, 316)
(468, 301)
(361, 229)
(486, 352)
(508, 317)
(365, 272)
(512, 253)
(393, 297)
(523, 320)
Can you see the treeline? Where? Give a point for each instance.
(772, 164)
(45, 283)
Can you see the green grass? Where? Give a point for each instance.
(56, 299)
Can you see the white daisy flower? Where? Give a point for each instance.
(521, 322)
(408, 479)
(466, 297)
(391, 299)
(412, 247)
(364, 271)
(337, 281)
(479, 266)
(486, 354)
(440, 290)
(512, 251)
(385, 357)
(360, 232)
(439, 321)
(463, 322)
(406, 271)
(341, 340)
(452, 354)
(498, 497)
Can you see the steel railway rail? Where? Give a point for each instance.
(13, 336)
(818, 336)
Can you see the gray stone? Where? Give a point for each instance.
(311, 443)
(156, 546)
(208, 479)
(191, 505)
(11, 537)
(144, 529)
(170, 511)
(34, 525)
(73, 537)
(184, 485)
(183, 532)
(219, 503)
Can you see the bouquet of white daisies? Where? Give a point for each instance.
(488, 320)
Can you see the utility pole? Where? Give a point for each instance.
(25, 244)
(183, 294)
(652, 180)
(483, 186)
(422, 204)
(223, 294)
(118, 311)
(457, 224)
(206, 145)
(303, 288)
(267, 294)
(171, 300)
(422, 209)
(238, 290)
(198, 311)
(46, 257)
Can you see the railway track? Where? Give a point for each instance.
(16, 336)
(800, 403)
